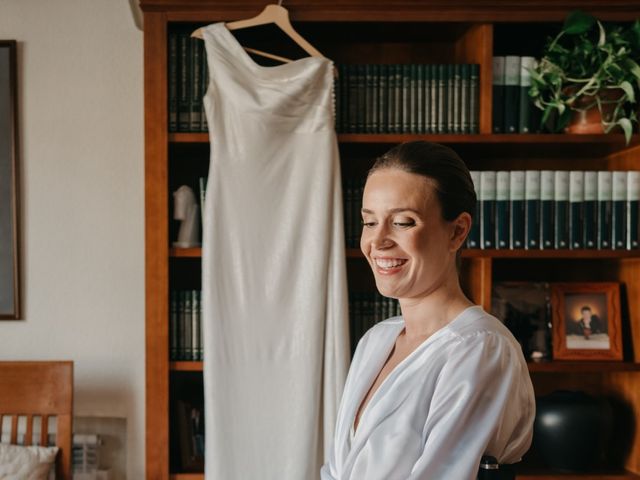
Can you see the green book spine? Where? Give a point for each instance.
(450, 79)
(184, 112)
(619, 196)
(633, 200)
(517, 209)
(532, 209)
(413, 87)
(173, 334)
(196, 86)
(590, 220)
(362, 98)
(433, 98)
(393, 94)
(473, 239)
(488, 212)
(397, 103)
(511, 93)
(456, 114)
(420, 99)
(525, 104)
(576, 211)
(604, 209)
(195, 327)
(173, 82)
(406, 98)
(368, 98)
(497, 106)
(561, 209)
(375, 95)
(353, 98)
(383, 99)
(465, 91)
(474, 98)
(441, 124)
(204, 72)
(547, 191)
(187, 324)
(502, 209)
(344, 100)
(181, 327)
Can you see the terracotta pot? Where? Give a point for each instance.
(590, 120)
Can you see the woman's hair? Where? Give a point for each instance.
(453, 184)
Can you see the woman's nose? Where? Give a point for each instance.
(381, 238)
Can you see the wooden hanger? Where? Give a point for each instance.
(271, 14)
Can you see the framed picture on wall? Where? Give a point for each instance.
(9, 218)
(586, 321)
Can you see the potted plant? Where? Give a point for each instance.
(588, 78)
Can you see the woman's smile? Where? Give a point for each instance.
(389, 265)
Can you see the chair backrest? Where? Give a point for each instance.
(44, 389)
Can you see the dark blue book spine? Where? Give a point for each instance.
(604, 209)
(633, 200)
(576, 211)
(532, 209)
(473, 239)
(619, 195)
(516, 209)
(590, 210)
(511, 93)
(502, 209)
(547, 184)
(561, 210)
(488, 204)
(498, 94)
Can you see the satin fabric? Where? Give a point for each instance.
(464, 392)
(275, 314)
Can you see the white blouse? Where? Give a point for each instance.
(463, 393)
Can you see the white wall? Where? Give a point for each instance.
(81, 126)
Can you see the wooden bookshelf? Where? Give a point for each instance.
(462, 32)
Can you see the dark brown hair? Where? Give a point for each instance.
(453, 184)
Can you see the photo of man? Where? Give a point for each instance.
(586, 321)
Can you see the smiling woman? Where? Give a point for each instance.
(432, 391)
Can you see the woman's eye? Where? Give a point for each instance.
(404, 224)
(368, 224)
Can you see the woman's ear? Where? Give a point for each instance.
(461, 226)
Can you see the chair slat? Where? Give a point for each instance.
(44, 431)
(28, 437)
(14, 429)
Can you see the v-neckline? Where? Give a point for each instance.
(390, 349)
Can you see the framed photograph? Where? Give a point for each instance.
(586, 321)
(9, 224)
(191, 435)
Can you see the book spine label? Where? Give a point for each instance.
(576, 213)
(561, 210)
(524, 113)
(619, 197)
(532, 212)
(517, 209)
(511, 93)
(488, 203)
(498, 94)
(590, 212)
(473, 239)
(502, 209)
(547, 189)
(633, 199)
(604, 209)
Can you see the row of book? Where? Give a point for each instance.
(185, 327)
(549, 209)
(352, 191)
(187, 83)
(513, 109)
(407, 98)
(365, 310)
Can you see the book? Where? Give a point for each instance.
(196, 46)
(618, 212)
(525, 104)
(547, 190)
(511, 93)
(502, 209)
(174, 331)
(184, 84)
(561, 209)
(473, 239)
(172, 74)
(576, 209)
(590, 210)
(498, 94)
(455, 98)
(604, 202)
(474, 98)
(516, 209)
(465, 120)
(441, 82)
(488, 207)
(633, 200)
(532, 209)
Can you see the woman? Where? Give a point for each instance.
(430, 392)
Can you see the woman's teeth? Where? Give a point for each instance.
(390, 262)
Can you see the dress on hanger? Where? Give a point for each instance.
(275, 311)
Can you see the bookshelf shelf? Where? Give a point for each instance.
(186, 252)
(532, 254)
(185, 366)
(187, 476)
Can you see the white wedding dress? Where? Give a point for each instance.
(275, 313)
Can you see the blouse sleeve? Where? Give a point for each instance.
(483, 403)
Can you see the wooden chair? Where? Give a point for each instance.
(42, 389)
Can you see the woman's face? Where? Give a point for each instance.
(408, 245)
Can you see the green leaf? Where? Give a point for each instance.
(578, 22)
(603, 35)
(633, 67)
(625, 123)
(628, 89)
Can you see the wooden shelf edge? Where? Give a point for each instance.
(578, 476)
(186, 366)
(525, 254)
(559, 366)
(187, 476)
